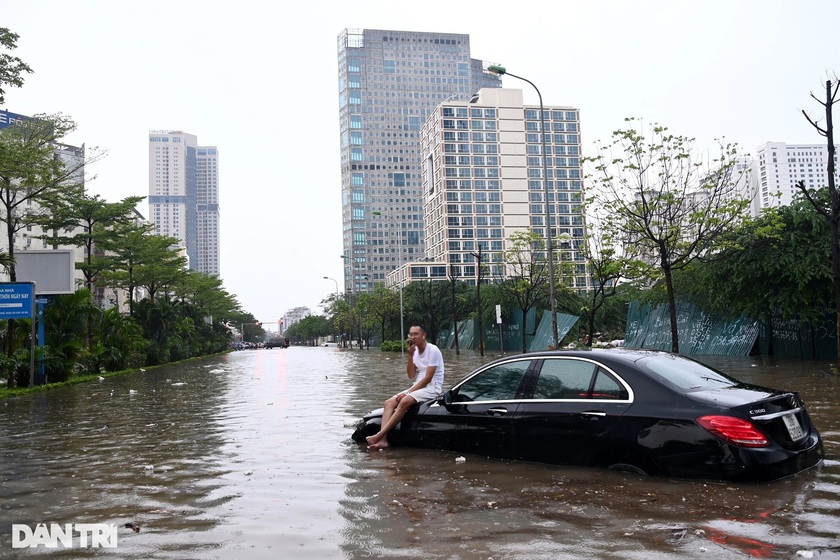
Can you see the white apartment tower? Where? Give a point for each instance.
(778, 167)
(184, 195)
(483, 174)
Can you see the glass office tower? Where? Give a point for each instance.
(389, 82)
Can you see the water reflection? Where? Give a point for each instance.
(250, 457)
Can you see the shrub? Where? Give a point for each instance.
(390, 346)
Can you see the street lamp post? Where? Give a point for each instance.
(336, 295)
(501, 71)
(399, 281)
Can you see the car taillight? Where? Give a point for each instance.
(734, 430)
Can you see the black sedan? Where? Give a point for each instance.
(645, 412)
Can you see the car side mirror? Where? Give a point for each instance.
(447, 398)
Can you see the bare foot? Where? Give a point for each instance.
(383, 444)
(374, 438)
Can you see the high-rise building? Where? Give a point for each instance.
(389, 82)
(484, 179)
(184, 195)
(777, 168)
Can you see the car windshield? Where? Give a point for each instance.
(686, 374)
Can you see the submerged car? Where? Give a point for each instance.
(641, 411)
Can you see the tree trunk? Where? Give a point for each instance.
(672, 309)
(835, 209)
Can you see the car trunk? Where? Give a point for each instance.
(780, 415)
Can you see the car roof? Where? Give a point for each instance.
(626, 355)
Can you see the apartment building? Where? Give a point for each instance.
(389, 83)
(184, 195)
(778, 167)
(486, 165)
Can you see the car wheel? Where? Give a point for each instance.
(627, 468)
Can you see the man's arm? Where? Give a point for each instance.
(410, 368)
(430, 373)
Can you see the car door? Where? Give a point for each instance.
(573, 405)
(478, 414)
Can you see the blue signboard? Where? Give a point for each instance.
(8, 119)
(16, 300)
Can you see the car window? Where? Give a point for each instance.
(686, 374)
(498, 383)
(606, 387)
(564, 379)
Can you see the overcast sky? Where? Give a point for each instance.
(259, 80)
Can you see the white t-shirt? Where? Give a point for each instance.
(431, 356)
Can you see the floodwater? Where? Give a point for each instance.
(248, 455)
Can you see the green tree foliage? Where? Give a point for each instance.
(206, 293)
(64, 325)
(779, 262)
(309, 329)
(670, 203)
(428, 305)
(526, 275)
(12, 68)
(135, 258)
(610, 261)
(119, 343)
(384, 308)
(32, 177)
(81, 220)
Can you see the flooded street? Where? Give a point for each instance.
(248, 455)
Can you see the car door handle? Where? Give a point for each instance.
(592, 413)
(497, 411)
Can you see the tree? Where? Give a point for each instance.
(85, 221)
(479, 259)
(384, 307)
(776, 263)
(609, 261)
(137, 258)
(309, 329)
(33, 176)
(453, 281)
(525, 277)
(206, 293)
(34, 171)
(429, 300)
(830, 210)
(12, 68)
(670, 203)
